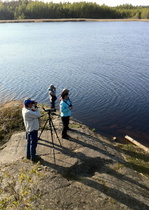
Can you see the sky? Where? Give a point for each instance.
(107, 2)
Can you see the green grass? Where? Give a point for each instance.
(74, 125)
(136, 157)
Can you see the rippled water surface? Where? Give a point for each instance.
(104, 64)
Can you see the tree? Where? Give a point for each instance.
(27, 9)
(145, 13)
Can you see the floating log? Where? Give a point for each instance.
(137, 143)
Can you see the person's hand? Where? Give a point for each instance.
(70, 107)
(35, 104)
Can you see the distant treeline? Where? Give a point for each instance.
(24, 9)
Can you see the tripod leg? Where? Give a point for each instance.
(43, 128)
(50, 125)
(55, 132)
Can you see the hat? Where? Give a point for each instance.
(28, 101)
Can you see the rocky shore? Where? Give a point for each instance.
(85, 172)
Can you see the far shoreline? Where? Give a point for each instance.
(71, 20)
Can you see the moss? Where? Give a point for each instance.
(112, 201)
(118, 166)
(136, 157)
(74, 125)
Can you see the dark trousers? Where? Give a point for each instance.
(52, 104)
(32, 140)
(53, 101)
(65, 121)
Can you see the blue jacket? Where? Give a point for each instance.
(64, 108)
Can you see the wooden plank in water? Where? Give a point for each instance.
(137, 143)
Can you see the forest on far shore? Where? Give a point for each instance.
(27, 9)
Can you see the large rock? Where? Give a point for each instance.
(84, 172)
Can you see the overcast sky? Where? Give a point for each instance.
(106, 2)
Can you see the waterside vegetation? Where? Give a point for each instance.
(136, 158)
(26, 9)
(10, 120)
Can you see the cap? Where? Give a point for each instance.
(28, 101)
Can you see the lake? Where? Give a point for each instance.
(105, 65)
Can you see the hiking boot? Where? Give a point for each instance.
(65, 137)
(36, 159)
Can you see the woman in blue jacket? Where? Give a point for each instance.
(65, 112)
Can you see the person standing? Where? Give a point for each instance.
(31, 115)
(65, 113)
(52, 95)
(67, 92)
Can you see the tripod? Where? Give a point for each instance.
(51, 128)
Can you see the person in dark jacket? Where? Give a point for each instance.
(52, 95)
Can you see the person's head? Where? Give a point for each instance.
(65, 91)
(28, 103)
(64, 95)
(51, 86)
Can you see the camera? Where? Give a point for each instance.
(49, 110)
(34, 102)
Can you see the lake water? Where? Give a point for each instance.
(105, 65)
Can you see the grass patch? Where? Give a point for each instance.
(74, 125)
(20, 191)
(118, 166)
(10, 121)
(136, 157)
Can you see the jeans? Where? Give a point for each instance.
(32, 139)
(65, 121)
